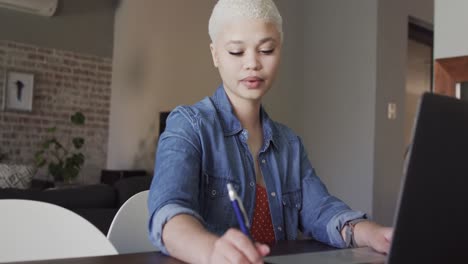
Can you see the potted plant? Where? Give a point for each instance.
(64, 160)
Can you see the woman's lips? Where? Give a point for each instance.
(252, 82)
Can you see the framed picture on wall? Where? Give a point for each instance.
(18, 91)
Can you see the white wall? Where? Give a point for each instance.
(284, 101)
(162, 59)
(69, 28)
(355, 62)
(421, 9)
(340, 74)
(391, 79)
(418, 81)
(450, 33)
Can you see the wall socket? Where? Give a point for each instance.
(392, 111)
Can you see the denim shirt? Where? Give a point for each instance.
(204, 147)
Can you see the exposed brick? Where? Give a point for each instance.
(45, 51)
(11, 45)
(70, 62)
(64, 70)
(35, 57)
(105, 68)
(57, 60)
(87, 65)
(25, 64)
(25, 47)
(59, 91)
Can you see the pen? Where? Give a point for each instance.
(239, 210)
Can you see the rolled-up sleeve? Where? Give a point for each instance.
(160, 219)
(336, 224)
(174, 189)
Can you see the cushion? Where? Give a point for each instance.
(127, 187)
(16, 176)
(99, 217)
(85, 196)
(14, 193)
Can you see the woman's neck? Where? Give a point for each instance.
(247, 111)
(249, 115)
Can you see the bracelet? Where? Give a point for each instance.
(349, 233)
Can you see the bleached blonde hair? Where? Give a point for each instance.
(227, 10)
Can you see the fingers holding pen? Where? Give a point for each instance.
(235, 247)
(238, 246)
(253, 251)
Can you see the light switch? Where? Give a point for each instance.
(391, 111)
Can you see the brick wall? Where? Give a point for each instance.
(64, 82)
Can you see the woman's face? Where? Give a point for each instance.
(247, 55)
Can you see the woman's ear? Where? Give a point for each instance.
(214, 55)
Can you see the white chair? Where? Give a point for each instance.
(129, 229)
(32, 230)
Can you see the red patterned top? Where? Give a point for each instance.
(262, 228)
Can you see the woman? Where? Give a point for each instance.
(229, 138)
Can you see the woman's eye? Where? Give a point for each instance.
(236, 53)
(267, 52)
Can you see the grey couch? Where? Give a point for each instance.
(98, 203)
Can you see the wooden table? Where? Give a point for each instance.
(282, 247)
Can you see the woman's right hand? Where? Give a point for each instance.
(235, 247)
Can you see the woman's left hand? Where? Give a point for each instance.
(371, 234)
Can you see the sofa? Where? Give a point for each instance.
(98, 203)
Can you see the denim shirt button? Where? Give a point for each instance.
(245, 134)
(280, 229)
(252, 184)
(213, 192)
(263, 161)
(273, 194)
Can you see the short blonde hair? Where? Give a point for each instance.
(226, 10)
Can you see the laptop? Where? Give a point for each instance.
(431, 224)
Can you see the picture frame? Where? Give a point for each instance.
(18, 90)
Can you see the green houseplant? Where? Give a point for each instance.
(64, 160)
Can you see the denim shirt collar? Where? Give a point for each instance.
(230, 122)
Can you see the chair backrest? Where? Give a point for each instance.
(33, 230)
(129, 229)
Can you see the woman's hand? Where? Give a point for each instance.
(368, 233)
(235, 247)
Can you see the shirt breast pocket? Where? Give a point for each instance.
(292, 205)
(218, 212)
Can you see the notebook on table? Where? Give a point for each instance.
(432, 214)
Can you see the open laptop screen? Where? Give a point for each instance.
(431, 223)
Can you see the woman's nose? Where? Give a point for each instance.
(252, 62)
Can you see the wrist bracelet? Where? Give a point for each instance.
(349, 233)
